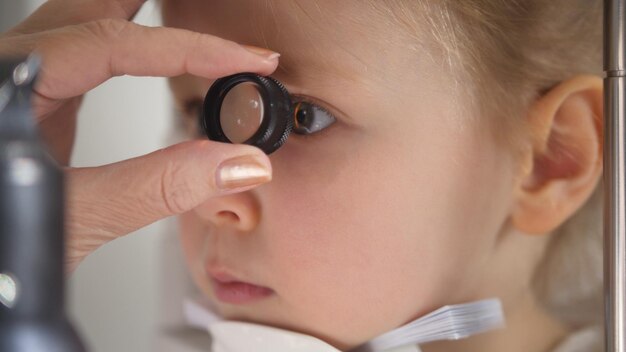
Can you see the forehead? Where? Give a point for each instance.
(343, 38)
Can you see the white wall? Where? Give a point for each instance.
(113, 296)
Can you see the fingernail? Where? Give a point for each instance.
(262, 52)
(242, 171)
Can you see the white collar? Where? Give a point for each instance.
(232, 336)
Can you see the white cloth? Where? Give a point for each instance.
(231, 336)
(242, 337)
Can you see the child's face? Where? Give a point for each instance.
(390, 212)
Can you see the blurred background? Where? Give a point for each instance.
(114, 295)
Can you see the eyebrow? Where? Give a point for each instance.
(308, 65)
(307, 68)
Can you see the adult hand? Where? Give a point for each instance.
(84, 43)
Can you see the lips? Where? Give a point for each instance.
(228, 288)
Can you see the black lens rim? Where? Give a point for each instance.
(277, 121)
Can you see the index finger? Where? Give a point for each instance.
(76, 59)
(60, 13)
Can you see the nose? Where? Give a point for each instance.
(240, 211)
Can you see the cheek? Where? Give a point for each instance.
(386, 226)
(335, 241)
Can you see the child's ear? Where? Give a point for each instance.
(564, 161)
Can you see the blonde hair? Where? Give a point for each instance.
(506, 54)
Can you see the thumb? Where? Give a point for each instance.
(110, 201)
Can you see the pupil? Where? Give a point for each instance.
(302, 116)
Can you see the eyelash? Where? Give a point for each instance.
(193, 107)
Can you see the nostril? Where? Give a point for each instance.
(228, 215)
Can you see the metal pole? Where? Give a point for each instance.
(614, 175)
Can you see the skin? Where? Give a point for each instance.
(96, 39)
(405, 204)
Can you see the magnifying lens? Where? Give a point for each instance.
(251, 109)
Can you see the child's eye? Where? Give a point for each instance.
(309, 118)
